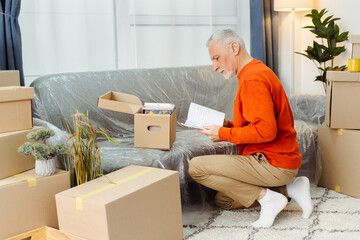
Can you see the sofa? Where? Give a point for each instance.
(58, 96)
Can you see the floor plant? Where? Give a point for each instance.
(84, 160)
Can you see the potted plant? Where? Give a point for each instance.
(84, 160)
(44, 154)
(324, 52)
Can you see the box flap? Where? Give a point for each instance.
(29, 176)
(355, 38)
(5, 134)
(9, 78)
(16, 93)
(344, 76)
(120, 102)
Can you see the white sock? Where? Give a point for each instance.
(299, 190)
(271, 205)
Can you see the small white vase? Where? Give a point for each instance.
(45, 167)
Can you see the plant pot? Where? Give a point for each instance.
(45, 167)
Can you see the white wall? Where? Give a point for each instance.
(305, 70)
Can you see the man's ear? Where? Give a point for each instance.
(235, 48)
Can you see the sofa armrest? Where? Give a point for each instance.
(308, 108)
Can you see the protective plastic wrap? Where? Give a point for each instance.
(308, 112)
(59, 96)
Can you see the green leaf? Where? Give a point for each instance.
(342, 37)
(327, 19)
(319, 78)
(332, 43)
(322, 12)
(334, 19)
(338, 68)
(336, 51)
(336, 31)
(306, 55)
(330, 30)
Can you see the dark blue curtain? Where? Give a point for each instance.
(264, 32)
(10, 37)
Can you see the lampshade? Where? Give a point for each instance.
(290, 5)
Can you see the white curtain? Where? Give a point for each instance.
(67, 36)
(167, 33)
(91, 35)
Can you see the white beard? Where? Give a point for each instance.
(227, 74)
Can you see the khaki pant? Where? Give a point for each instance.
(239, 179)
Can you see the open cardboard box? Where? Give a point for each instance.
(342, 100)
(45, 233)
(9, 78)
(15, 108)
(150, 130)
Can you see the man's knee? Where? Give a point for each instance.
(223, 202)
(195, 166)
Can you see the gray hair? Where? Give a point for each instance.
(228, 36)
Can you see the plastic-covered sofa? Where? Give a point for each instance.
(59, 96)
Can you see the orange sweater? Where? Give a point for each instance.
(263, 120)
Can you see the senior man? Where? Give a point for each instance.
(263, 128)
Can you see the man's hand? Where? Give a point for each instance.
(226, 123)
(212, 132)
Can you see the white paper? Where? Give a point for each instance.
(200, 116)
(191, 126)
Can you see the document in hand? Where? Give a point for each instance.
(200, 116)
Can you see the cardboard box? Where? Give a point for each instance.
(45, 233)
(150, 130)
(15, 108)
(355, 40)
(342, 98)
(134, 203)
(340, 153)
(28, 201)
(10, 160)
(9, 78)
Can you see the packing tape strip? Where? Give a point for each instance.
(337, 188)
(31, 181)
(79, 200)
(340, 131)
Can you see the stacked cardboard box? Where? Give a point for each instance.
(27, 201)
(15, 123)
(339, 139)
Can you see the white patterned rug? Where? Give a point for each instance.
(335, 217)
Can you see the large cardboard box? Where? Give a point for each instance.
(150, 130)
(11, 161)
(342, 98)
(340, 153)
(45, 233)
(15, 108)
(134, 203)
(9, 78)
(28, 201)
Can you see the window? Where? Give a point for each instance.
(91, 35)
